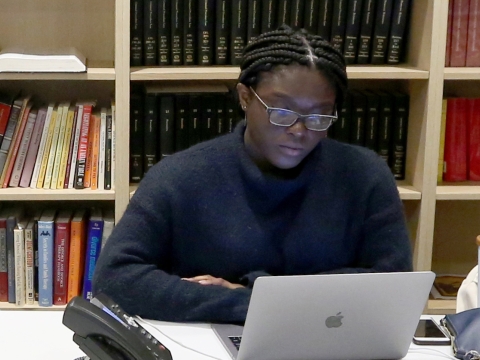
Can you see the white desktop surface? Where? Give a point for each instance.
(40, 335)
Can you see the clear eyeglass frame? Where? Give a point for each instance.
(287, 118)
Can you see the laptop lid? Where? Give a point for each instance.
(344, 316)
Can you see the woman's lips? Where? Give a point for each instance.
(291, 150)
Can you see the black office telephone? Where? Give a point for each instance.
(103, 331)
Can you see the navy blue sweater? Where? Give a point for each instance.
(210, 210)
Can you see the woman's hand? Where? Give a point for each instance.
(210, 280)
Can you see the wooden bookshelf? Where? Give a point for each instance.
(457, 73)
(458, 192)
(91, 74)
(8, 306)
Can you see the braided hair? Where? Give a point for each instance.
(285, 46)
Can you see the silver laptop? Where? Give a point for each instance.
(328, 317)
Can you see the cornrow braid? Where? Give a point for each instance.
(285, 46)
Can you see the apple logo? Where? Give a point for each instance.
(334, 321)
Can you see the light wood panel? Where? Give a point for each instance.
(91, 74)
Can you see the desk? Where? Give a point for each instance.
(40, 335)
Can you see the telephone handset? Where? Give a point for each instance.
(104, 331)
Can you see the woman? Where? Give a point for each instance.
(276, 197)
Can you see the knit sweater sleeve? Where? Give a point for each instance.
(133, 267)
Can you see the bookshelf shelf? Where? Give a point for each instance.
(91, 74)
(466, 73)
(23, 194)
(9, 306)
(408, 192)
(441, 307)
(386, 72)
(458, 192)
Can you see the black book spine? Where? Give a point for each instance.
(167, 126)
(269, 11)
(310, 16)
(254, 20)
(207, 117)
(397, 33)
(381, 30)
(352, 30)
(339, 22)
(325, 11)
(296, 14)
(220, 116)
(190, 33)
(150, 32)
(342, 125)
(150, 126)
(222, 31)
(136, 137)
(36, 260)
(385, 126)
(177, 32)
(399, 135)
(181, 122)
(194, 120)
(230, 113)
(359, 109)
(164, 33)
(108, 153)
(238, 30)
(283, 14)
(366, 28)
(136, 32)
(206, 28)
(371, 123)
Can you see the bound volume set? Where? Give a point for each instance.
(215, 32)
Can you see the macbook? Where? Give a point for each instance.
(328, 317)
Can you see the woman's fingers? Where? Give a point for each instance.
(210, 280)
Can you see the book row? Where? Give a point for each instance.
(463, 34)
(162, 124)
(215, 32)
(58, 146)
(459, 154)
(377, 120)
(50, 256)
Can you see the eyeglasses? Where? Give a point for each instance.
(284, 117)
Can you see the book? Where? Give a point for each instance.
(441, 149)
(359, 111)
(76, 256)
(474, 140)
(94, 243)
(181, 121)
(343, 124)
(339, 22)
(325, 19)
(446, 286)
(254, 18)
(448, 49)
(66, 122)
(73, 154)
(41, 147)
(108, 151)
(102, 148)
(95, 151)
(150, 135)
(150, 32)
(87, 181)
(6, 103)
(14, 216)
(46, 239)
(46, 150)
(29, 262)
(113, 144)
(164, 33)
(19, 253)
(397, 31)
(191, 29)
(399, 134)
(352, 30)
(61, 252)
(283, 12)
(222, 31)
(136, 137)
(269, 11)
(206, 31)
(381, 31)
(42, 60)
(66, 148)
(33, 147)
(177, 31)
(238, 30)
(82, 147)
(371, 123)
(136, 32)
(4, 213)
(366, 29)
(167, 126)
(472, 58)
(108, 225)
(456, 127)
(53, 148)
(385, 121)
(458, 45)
(296, 14)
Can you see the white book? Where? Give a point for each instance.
(19, 251)
(29, 264)
(60, 143)
(101, 153)
(42, 60)
(113, 145)
(73, 163)
(53, 149)
(41, 147)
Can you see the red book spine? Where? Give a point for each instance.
(448, 48)
(455, 155)
(60, 269)
(4, 115)
(474, 141)
(459, 33)
(473, 42)
(82, 148)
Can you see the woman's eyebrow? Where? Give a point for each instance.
(290, 100)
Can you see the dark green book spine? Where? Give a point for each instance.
(325, 11)
(238, 30)
(136, 137)
(385, 126)
(283, 14)
(190, 33)
(269, 12)
(150, 32)
(366, 29)
(359, 109)
(206, 31)
(310, 16)
(399, 135)
(371, 123)
(352, 31)
(254, 20)
(220, 116)
(164, 32)
(194, 130)
(222, 32)
(108, 153)
(136, 32)
(181, 122)
(397, 33)
(339, 22)
(296, 14)
(343, 124)
(177, 31)
(381, 31)
(167, 126)
(150, 138)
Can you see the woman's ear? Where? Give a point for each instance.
(243, 95)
